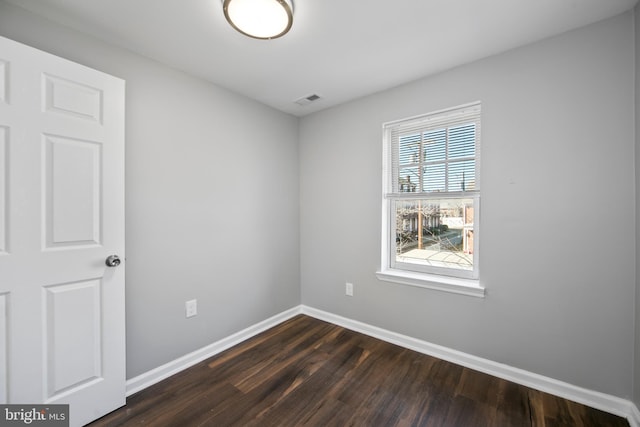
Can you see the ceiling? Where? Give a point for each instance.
(337, 49)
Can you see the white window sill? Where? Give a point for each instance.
(454, 285)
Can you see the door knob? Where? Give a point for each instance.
(112, 261)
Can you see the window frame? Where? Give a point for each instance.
(442, 278)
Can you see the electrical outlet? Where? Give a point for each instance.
(191, 307)
(349, 289)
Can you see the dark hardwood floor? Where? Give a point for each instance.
(305, 372)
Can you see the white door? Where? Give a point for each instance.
(62, 335)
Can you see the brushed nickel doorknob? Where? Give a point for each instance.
(112, 261)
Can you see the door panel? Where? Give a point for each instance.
(4, 172)
(62, 329)
(73, 348)
(4, 303)
(4, 75)
(73, 99)
(73, 214)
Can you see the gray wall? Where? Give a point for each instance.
(558, 247)
(636, 394)
(211, 199)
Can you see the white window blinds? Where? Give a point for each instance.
(436, 153)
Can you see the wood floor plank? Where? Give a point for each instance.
(512, 408)
(305, 372)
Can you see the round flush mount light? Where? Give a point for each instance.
(260, 19)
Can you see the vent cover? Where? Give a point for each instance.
(307, 99)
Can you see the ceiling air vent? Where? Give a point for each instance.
(307, 99)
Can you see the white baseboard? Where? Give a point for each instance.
(158, 374)
(608, 403)
(612, 404)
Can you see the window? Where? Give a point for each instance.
(431, 200)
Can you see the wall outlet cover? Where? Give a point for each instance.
(191, 307)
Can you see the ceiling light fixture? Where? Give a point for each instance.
(260, 19)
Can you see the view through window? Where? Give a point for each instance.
(432, 192)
